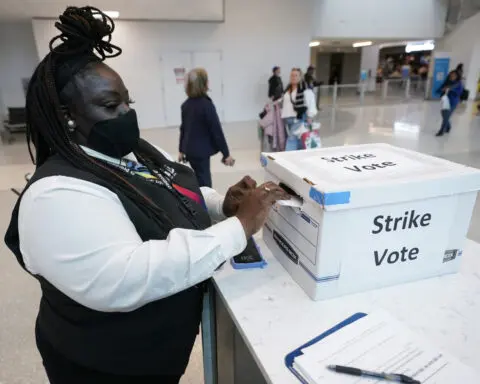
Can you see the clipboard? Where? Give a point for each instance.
(290, 358)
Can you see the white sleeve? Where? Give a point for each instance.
(311, 103)
(78, 236)
(214, 203)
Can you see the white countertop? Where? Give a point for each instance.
(275, 316)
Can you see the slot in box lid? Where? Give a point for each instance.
(370, 174)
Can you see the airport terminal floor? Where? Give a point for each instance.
(408, 125)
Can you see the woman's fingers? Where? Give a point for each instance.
(268, 185)
(278, 194)
(271, 186)
(243, 187)
(274, 192)
(255, 206)
(229, 161)
(248, 183)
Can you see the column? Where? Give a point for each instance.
(472, 71)
(369, 63)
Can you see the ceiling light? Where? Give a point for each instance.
(314, 44)
(361, 44)
(420, 46)
(112, 14)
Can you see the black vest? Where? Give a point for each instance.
(299, 104)
(155, 339)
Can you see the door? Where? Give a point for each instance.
(323, 67)
(211, 61)
(174, 67)
(336, 68)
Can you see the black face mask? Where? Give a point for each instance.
(115, 137)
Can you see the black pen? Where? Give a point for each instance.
(396, 378)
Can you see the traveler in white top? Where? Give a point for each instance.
(299, 107)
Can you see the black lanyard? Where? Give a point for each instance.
(163, 178)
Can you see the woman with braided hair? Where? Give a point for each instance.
(118, 235)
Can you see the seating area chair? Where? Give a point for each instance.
(15, 123)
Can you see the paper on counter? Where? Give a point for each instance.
(294, 202)
(380, 343)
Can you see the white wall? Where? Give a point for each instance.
(256, 35)
(18, 59)
(463, 45)
(376, 19)
(473, 74)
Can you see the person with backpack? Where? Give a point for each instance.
(275, 85)
(312, 82)
(310, 79)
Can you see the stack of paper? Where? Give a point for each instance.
(378, 342)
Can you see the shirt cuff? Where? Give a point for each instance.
(231, 236)
(214, 202)
(218, 213)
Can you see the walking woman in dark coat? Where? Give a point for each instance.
(201, 134)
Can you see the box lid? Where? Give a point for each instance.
(369, 174)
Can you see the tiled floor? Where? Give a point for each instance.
(405, 125)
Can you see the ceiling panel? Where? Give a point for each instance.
(172, 10)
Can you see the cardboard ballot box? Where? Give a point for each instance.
(370, 216)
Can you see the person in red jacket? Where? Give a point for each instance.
(201, 134)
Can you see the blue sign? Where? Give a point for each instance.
(363, 75)
(440, 73)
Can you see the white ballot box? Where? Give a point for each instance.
(370, 216)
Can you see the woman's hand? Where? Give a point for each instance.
(254, 208)
(229, 161)
(181, 158)
(236, 194)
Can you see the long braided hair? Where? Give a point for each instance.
(85, 37)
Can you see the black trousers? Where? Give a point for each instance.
(201, 166)
(60, 370)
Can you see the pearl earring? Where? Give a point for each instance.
(71, 125)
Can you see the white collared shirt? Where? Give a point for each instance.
(77, 235)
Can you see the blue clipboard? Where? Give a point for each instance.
(290, 358)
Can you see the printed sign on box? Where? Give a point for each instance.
(367, 165)
(399, 242)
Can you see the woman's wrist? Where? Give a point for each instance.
(246, 224)
(228, 209)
